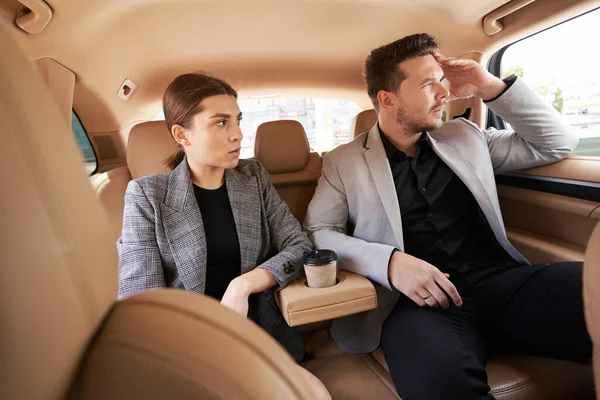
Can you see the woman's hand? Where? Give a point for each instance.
(239, 289)
(236, 296)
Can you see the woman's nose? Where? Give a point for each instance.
(237, 134)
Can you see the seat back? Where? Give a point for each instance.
(59, 268)
(363, 122)
(591, 296)
(283, 149)
(63, 333)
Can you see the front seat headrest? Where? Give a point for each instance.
(282, 146)
(149, 146)
(363, 122)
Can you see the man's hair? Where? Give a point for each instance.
(382, 70)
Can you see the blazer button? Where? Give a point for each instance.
(288, 269)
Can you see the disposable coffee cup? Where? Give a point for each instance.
(320, 267)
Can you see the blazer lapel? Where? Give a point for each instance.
(463, 169)
(384, 182)
(244, 197)
(184, 229)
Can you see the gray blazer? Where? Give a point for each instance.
(355, 209)
(163, 242)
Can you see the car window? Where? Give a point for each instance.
(327, 122)
(87, 151)
(562, 67)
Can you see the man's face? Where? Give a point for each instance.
(419, 100)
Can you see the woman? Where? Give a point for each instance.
(208, 226)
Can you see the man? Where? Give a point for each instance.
(412, 205)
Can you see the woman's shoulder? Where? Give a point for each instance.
(151, 186)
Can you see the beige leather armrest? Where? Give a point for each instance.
(303, 305)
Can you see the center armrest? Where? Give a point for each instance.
(301, 304)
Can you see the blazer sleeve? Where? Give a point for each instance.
(286, 235)
(538, 134)
(140, 265)
(326, 223)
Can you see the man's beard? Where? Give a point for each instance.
(415, 126)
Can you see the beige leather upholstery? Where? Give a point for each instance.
(591, 297)
(174, 344)
(149, 146)
(363, 122)
(283, 149)
(511, 377)
(63, 333)
(301, 304)
(110, 187)
(282, 146)
(60, 82)
(58, 266)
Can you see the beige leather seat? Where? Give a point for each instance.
(283, 149)
(110, 187)
(63, 333)
(591, 297)
(149, 146)
(363, 122)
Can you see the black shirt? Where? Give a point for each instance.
(223, 260)
(441, 220)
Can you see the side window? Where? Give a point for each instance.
(327, 122)
(560, 65)
(87, 151)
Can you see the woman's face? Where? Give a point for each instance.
(214, 136)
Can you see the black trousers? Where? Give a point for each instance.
(441, 354)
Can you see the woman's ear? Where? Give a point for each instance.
(180, 135)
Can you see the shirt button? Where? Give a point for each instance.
(414, 163)
(423, 190)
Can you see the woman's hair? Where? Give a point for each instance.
(181, 102)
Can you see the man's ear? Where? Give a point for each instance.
(180, 135)
(386, 100)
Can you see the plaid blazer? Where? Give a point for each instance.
(163, 242)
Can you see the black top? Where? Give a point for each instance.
(223, 260)
(441, 220)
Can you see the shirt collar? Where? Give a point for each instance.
(391, 150)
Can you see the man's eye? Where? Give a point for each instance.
(239, 121)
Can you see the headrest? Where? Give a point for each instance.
(282, 146)
(363, 122)
(149, 146)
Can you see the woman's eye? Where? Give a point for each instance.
(222, 123)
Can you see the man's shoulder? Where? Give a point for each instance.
(454, 129)
(357, 145)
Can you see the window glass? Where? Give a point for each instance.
(327, 122)
(562, 67)
(87, 151)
